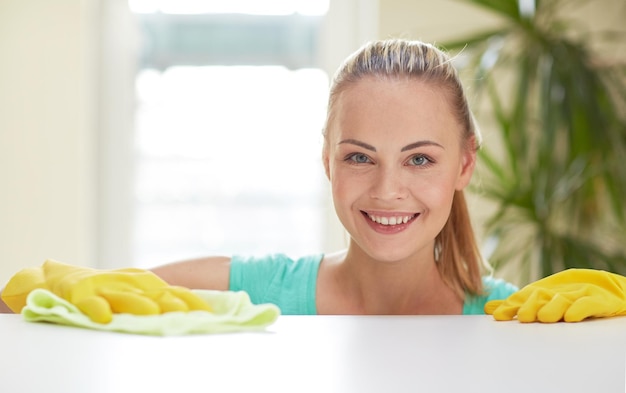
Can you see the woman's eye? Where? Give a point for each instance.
(358, 158)
(420, 160)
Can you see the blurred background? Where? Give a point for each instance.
(140, 132)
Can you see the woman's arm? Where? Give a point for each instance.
(200, 273)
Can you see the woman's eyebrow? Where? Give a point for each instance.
(420, 144)
(405, 148)
(358, 143)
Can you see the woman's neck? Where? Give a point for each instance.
(358, 284)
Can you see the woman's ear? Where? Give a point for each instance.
(468, 163)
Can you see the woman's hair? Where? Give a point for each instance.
(458, 256)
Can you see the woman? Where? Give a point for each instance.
(400, 146)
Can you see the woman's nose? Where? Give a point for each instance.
(388, 185)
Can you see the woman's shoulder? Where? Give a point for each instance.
(494, 289)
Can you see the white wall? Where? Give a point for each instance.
(431, 21)
(66, 110)
(118, 45)
(47, 131)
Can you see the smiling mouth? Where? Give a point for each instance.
(391, 219)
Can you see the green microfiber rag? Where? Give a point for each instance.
(232, 312)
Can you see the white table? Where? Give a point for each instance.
(322, 354)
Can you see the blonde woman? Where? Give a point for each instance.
(400, 146)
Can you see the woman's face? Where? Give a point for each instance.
(394, 157)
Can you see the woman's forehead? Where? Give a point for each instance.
(393, 106)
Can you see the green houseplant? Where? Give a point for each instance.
(557, 177)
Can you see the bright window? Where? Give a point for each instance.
(228, 161)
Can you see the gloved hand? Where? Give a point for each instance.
(570, 295)
(100, 293)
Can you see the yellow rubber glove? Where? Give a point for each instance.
(101, 293)
(571, 295)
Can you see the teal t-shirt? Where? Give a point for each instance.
(290, 284)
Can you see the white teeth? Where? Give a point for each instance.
(390, 220)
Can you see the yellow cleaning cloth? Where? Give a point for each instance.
(232, 312)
